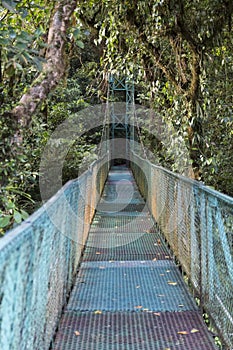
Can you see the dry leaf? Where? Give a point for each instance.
(183, 332)
(172, 283)
(98, 312)
(77, 333)
(194, 330)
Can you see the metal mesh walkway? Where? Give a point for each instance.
(129, 294)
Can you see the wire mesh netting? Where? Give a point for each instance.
(198, 225)
(133, 331)
(154, 285)
(38, 261)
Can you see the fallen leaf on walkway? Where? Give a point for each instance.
(77, 333)
(172, 283)
(183, 332)
(98, 312)
(194, 330)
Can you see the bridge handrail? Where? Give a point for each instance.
(38, 261)
(187, 180)
(197, 222)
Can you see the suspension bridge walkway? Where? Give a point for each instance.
(129, 294)
(114, 272)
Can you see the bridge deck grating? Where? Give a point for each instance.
(129, 294)
(133, 331)
(124, 288)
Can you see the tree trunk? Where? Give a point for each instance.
(55, 67)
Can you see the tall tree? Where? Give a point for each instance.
(165, 42)
(169, 36)
(54, 69)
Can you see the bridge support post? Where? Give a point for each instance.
(121, 91)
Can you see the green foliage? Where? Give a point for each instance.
(183, 50)
(217, 113)
(80, 155)
(10, 212)
(164, 134)
(65, 103)
(19, 166)
(23, 27)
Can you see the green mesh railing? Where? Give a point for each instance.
(198, 225)
(39, 258)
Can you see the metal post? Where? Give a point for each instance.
(122, 122)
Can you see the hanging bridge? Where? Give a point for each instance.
(127, 256)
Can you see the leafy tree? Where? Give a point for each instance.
(23, 136)
(178, 52)
(164, 42)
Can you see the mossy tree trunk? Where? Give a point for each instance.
(55, 67)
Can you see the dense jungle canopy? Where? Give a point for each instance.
(54, 59)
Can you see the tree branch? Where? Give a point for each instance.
(55, 67)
